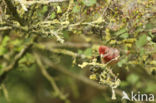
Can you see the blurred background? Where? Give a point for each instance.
(49, 50)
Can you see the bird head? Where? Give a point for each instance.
(107, 54)
(103, 50)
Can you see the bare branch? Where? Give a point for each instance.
(42, 2)
(14, 12)
(49, 78)
(77, 76)
(5, 91)
(16, 59)
(5, 28)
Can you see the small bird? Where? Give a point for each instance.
(108, 54)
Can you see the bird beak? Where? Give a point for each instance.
(101, 55)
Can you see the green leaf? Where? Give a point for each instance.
(89, 2)
(45, 9)
(88, 52)
(53, 15)
(59, 10)
(121, 31)
(80, 52)
(142, 51)
(124, 35)
(142, 41)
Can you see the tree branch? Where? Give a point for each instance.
(77, 76)
(7, 69)
(42, 2)
(14, 12)
(49, 78)
(5, 91)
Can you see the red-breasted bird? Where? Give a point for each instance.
(108, 54)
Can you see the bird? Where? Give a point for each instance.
(109, 55)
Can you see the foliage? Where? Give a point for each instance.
(42, 41)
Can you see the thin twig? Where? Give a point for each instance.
(5, 91)
(17, 58)
(73, 75)
(5, 28)
(77, 76)
(42, 2)
(51, 44)
(61, 51)
(14, 12)
(23, 6)
(49, 78)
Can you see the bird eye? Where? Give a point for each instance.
(106, 51)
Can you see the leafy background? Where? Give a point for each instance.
(42, 44)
